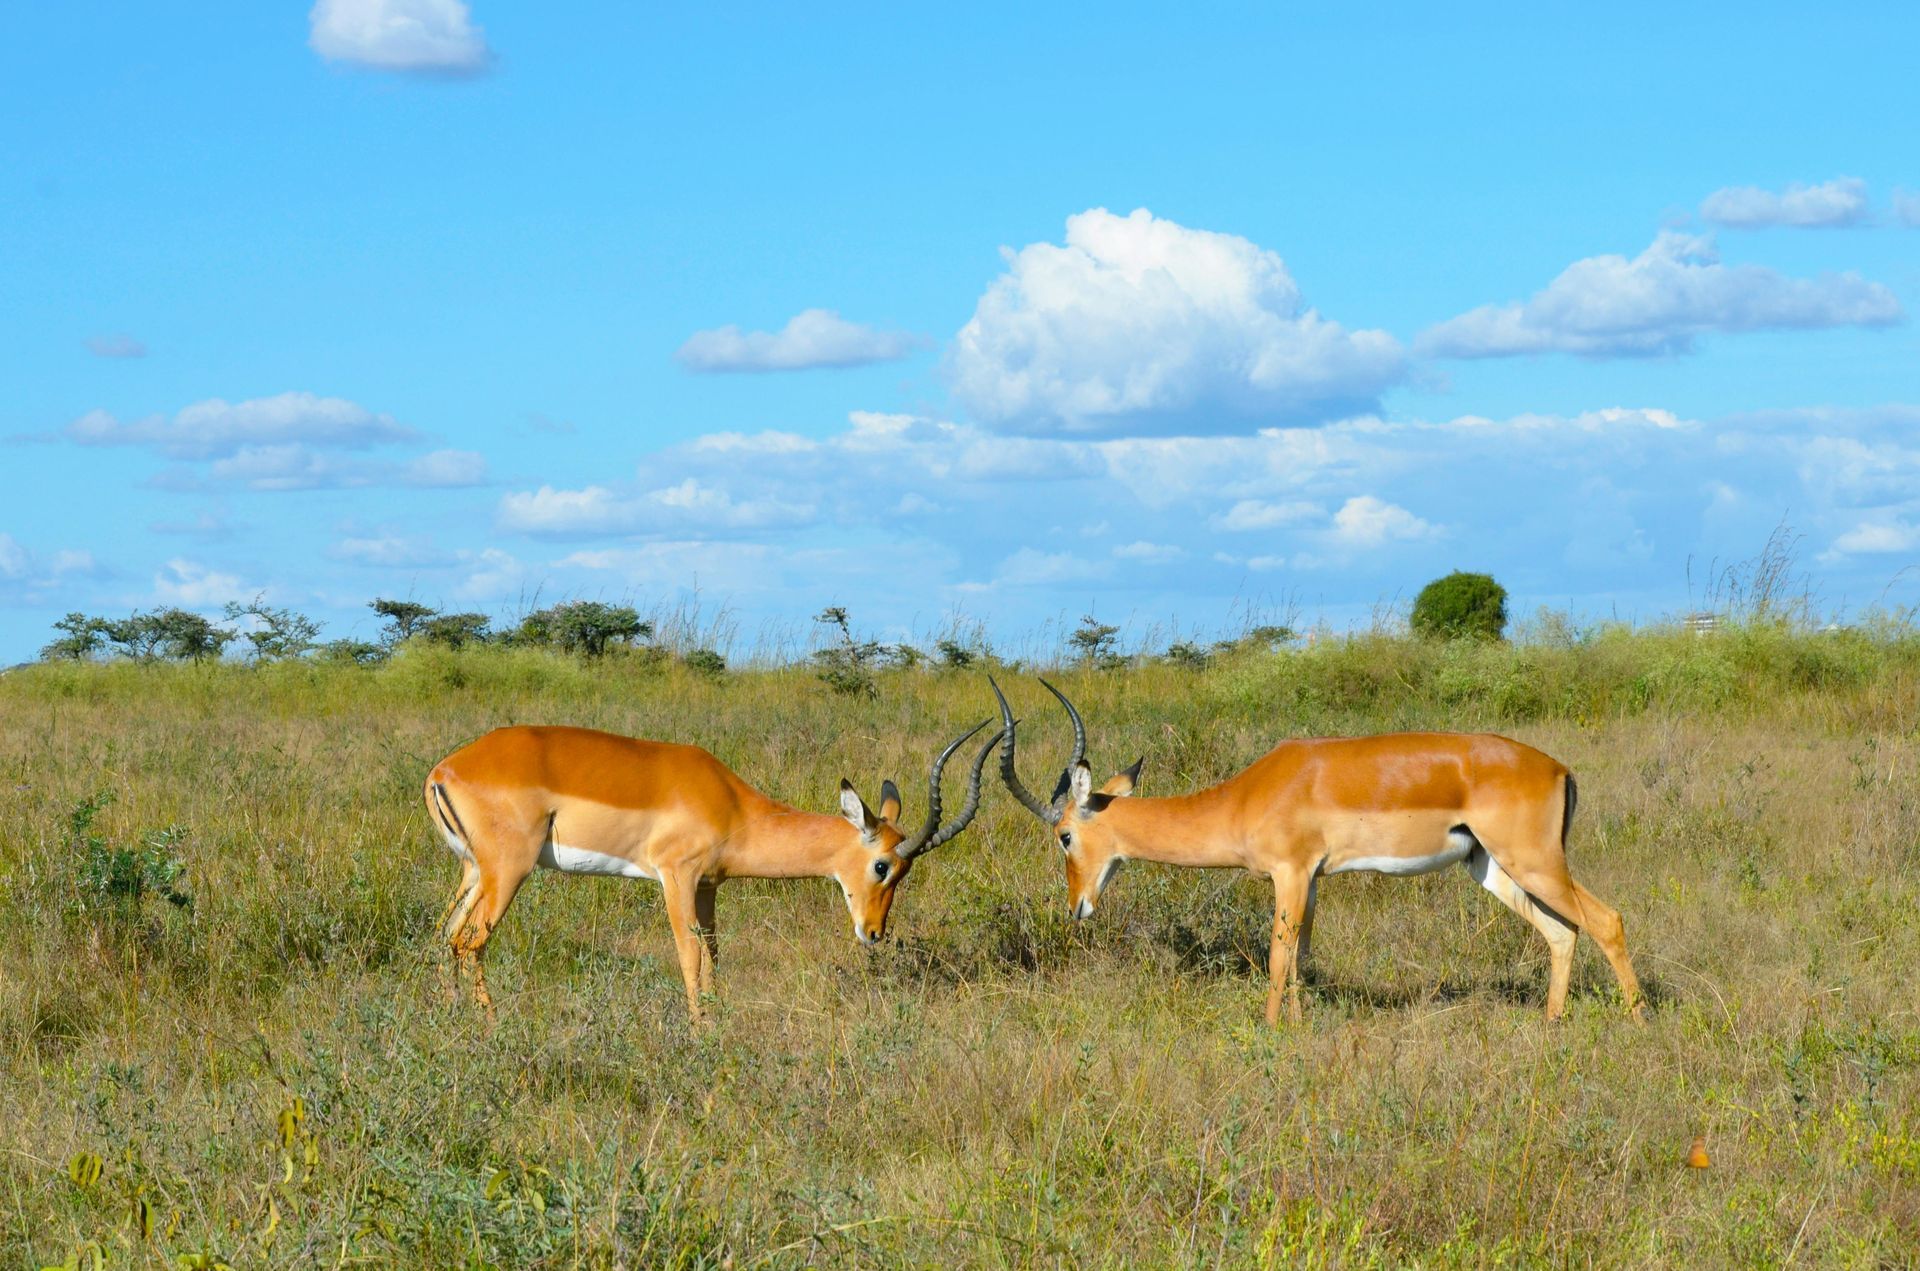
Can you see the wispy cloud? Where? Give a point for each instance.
(1659, 302)
(214, 428)
(430, 37)
(1830, 205)
(115, 346)
(811, 339)
(298, 467)
(1138, 324)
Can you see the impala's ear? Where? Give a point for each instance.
(1079, 784)
(889, 801)
(855, 809)
(1122, 785)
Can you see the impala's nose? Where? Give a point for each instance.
(1083, 910)
(869, 938)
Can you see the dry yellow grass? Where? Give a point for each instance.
(995, 1086)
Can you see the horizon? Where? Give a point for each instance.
(1009, 315)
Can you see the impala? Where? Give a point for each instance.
(586, 802)
(1403, 803)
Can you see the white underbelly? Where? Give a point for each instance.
(582, 860)
(1458, 845)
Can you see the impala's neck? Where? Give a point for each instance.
(773, 840)
(1188, 829)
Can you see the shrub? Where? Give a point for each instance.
(1186, 653)
(1461, 605)
(273, 633)
(403, 617)
(455, 630)
(113, 881)
(706, 662)
(1093, 642)
(82, 638)
(583, 626)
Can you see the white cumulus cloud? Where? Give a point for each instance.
(811, 338)
(598, 510)
(193, 585)
(1139, 323)
(435, 37)
(1829, 205)
(1658, 302)
(1365, 521)
(1883, 536)
(1149, 553)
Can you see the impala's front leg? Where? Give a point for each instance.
(683, 912)
(709, 934)
(1290, 890)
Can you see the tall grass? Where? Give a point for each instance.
(996, 1086)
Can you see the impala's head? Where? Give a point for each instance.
(1084, 836)
(881, 854)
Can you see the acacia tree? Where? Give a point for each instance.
(403, 617)
(82, 636)
(276, 633)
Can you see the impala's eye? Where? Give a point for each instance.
(1066, 841)
(880, 870)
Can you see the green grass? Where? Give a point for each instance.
(995, 1086)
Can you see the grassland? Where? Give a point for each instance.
(994, 1086)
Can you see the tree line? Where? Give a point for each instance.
(1461, 605)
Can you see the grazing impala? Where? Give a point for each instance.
(1403, 803)
(586, 802)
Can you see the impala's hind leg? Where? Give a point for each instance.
(1559, 934)
(454, 917)
(1569, 901)
(478, 918)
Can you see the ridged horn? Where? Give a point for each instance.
(1008, 774)
(931, 833)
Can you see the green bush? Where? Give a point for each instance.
(1461, 605)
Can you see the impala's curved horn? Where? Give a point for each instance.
(932, 834)
(1079, 729)
(1008, 775)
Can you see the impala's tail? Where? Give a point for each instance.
(451, 829)
(1566, 813)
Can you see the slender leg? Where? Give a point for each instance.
(1604, 925)
(1574, 903)
(1306, 921)
(709, 934)
(1559, 934)
(461, 904)
(1290, 889)
(683, 913)
(477, 919)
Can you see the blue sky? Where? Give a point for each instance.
(1005, 313)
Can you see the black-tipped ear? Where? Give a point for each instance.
(1122, 784)
(1097, 803)
(889, 801)
(855, 809)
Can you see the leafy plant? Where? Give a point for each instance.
(455, 630)
(1461, 605)
(706, 662)
(587, 627)
(403, 617)
(116, 880)
(82, 636)
(274, 633)
(1095, 643)
(847, 666)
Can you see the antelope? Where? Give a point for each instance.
(586, 802)
(1401, 804)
